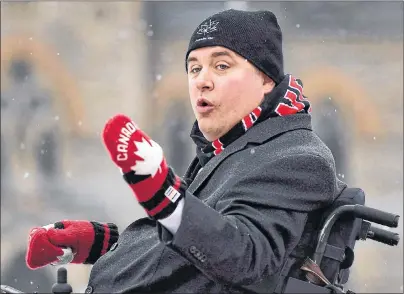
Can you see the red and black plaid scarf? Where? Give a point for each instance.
(285, 99)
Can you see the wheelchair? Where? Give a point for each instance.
(347, 220)
(326, 270)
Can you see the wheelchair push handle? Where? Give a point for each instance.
(383, 236)
(376, 216)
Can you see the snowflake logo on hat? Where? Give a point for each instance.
(207, 28)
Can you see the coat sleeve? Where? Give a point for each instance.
(257, 221)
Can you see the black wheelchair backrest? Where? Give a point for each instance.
(339, 251)
(334, 232)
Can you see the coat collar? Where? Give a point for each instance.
(258, 134)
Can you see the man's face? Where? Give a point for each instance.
(223, 87)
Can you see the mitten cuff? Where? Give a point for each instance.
(106, 234)
(166, 199)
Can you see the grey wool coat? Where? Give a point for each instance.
(244, 213)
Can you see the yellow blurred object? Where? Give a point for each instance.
(46, 62)
(325, 81)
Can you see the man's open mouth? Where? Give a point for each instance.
(204, 106)
(202, 102)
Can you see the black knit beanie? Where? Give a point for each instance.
(255, 35)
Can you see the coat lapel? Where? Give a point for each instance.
(212, 164)
(259, 133)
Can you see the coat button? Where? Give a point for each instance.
(113, 247)
(89, 290)
(193, 249)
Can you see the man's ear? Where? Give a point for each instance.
(268, 83)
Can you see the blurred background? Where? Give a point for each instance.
(66, 67)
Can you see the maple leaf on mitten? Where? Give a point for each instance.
(152, 156)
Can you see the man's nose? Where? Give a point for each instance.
(204, 81)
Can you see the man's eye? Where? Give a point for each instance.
(222, 66)
(195, 70)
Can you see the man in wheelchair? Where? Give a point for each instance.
(248, 215)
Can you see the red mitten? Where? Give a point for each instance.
(88, 241)
(144, 167)
(40, 250)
